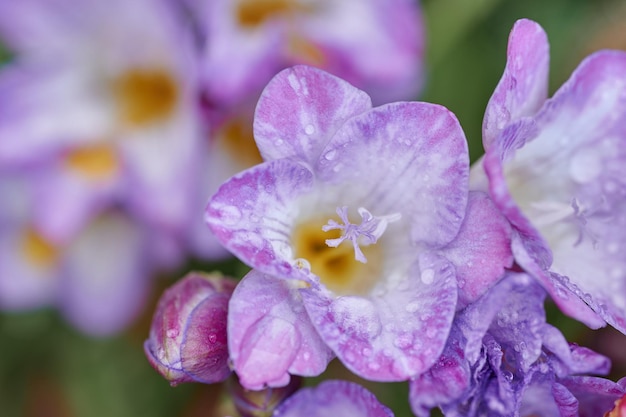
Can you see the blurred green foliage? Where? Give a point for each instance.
(47, 369)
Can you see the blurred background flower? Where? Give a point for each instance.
(118, 120)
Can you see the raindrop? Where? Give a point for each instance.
(230, 215)
(309, 129)
(412, 307)
(373, 366)
(171, 333)
(508, 376)
(428, 276)
(212, 338)
(306, 356)
(366, 352)
(278, 142)
(330, 155)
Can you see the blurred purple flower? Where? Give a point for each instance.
(377, 287)
(98, 277)
(333, 398)
(555, 168)
(503, 359)
(99, 102)
(375, 45)
(188, 333)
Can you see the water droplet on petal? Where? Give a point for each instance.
(172, 333)
(428, 276)
(212, 338)
(278, 142)
(585, 165)
(309, 129)
(412, 307)
(230, 215)
(330, 155)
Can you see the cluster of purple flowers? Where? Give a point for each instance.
(118, 119)
(372, 241)
(369, 236)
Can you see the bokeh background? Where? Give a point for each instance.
(49, 369)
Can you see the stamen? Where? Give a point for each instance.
(367, 233)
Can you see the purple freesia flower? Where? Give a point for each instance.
(333, 398)
(555, 168)
(187, 340)
(503, 359)
(354, 226)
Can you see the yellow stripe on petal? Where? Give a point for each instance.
(38, 250)
(251, 13)
(94, 162)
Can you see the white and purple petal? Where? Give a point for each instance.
(523, 87)
(301, 109)
(252, 215)
(395, 333)
(270, 335)
(333, 398)
(409, 158)
(576, 142)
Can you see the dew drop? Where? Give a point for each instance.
(309, 129)
(230, 215)
(306, 356)
(172, 333)
(367, 352)
(412, 307)
(508, 376)
(585, 165)
(302, 263)
(428, 276)
(212, 338)
(330, 155)
(374, 366)
(278, 142)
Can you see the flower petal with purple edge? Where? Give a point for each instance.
(252, 213)
(187, 340)
(404, 157)
(391, 337)
(481, 250)
(524, 85)
(579, 212)
(300, 110)
(333, 398)
(270, 334)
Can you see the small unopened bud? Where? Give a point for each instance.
(260, 403)
(187, 340)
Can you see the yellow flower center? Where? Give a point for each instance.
(145, 96)
(38, 250)
(251, 13)
(337, 267)
(95, 162)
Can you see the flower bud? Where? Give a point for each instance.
(263, 402)
(187, 340)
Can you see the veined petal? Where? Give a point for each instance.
(300, 110)
(333, 398)
(482, 249)
(578, 214)
(252, 215)
(409, 158)
(524, 85)
(270, 335)
(394, 334)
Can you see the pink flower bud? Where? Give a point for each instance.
(187, 340)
